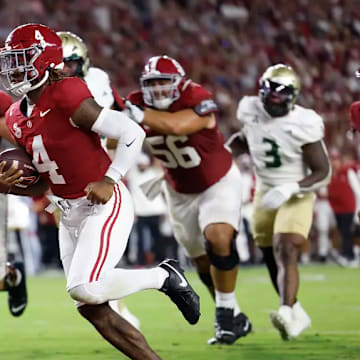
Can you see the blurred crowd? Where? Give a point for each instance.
(222, 44)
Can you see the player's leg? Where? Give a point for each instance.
(118, 332)
(12, 275)
(202, 264)
(291, 228)
(183, 216)
(219, 218)
(93, 279)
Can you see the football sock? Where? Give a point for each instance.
(119, 283)
(227, 300)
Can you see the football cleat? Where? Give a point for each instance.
(301, 319)
(17, 295)
(229, 328)
(282, 321)
(180, 291)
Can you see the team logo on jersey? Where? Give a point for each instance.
(206, 107)
(17, 131)
(29, 124)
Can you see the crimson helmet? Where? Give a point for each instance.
(30, 51)
(161, 68)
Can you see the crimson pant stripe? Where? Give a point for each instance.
(117, 190)
(102, 239)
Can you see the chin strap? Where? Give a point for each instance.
(27, 87)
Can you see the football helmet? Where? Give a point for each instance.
(30, 51)
(279, 89)
(74, 49)
(161, 81)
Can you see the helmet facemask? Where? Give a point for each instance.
(279, 89)
(160, 90)
(18, 71)
(278, 99)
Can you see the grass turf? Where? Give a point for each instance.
(51, 329)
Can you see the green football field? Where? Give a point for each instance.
(51, 329)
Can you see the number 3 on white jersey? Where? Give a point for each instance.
(46, 165)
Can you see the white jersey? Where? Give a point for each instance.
(98, 82)
(275, 144)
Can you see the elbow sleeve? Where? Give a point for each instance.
(117, 125)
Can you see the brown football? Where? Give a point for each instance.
(30, 174)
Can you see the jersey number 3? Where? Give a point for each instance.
(273, 152)
(43, 163)
(186, 157)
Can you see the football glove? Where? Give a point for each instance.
(277, 196)
(134, 112)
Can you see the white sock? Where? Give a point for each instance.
(227, 300)
(119, 283)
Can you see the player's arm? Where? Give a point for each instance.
(112, 124)
(316, 158)
(182, 122)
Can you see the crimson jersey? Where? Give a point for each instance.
(66, 156)
(5, 102)
(192, 162)
(340, 194)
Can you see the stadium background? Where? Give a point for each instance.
(224, 45)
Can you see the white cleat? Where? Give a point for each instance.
(301, 320)
(282, 321)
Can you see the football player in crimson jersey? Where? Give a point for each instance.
(202, 184)
(77, 63)
(12, 275)
(58, 123)
(290, 160)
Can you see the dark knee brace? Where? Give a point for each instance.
(223, 262)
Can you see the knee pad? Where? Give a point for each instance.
(206, 279)
(81, 293)
(223, 262)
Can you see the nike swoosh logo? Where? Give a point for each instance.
(183, 282)
(42, 114)
(246, 327)
(130, 143)
(18, 308)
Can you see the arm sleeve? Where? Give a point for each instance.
(116, 125)
(354, 184)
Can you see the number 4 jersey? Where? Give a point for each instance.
(275, 144)
(66, 156)
(196, 161)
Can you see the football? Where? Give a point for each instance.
(30, 174)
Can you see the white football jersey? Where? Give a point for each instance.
(275, 144)
(98, 82)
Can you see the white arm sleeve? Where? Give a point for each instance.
(354, 184)
(117, 125)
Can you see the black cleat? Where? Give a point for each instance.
(229, 328)
(180, 292)
(17, 295)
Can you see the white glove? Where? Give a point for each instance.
(134, 112)
(277, 196)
